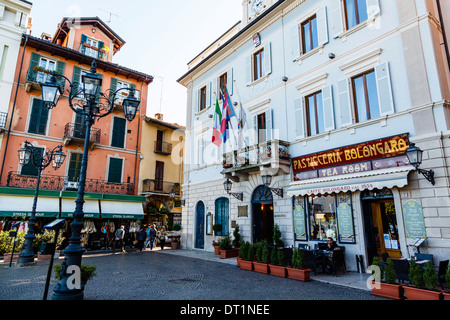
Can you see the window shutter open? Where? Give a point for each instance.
(195, 100)
(322, 26)
(248, 70)
(76, 78)
(269, 125)
(34, 62)
(101, 44)
(113, 88)
(268, 58)
(384, 86)
(208, 95)
(337, 25)
(295, 42)
(328, 110)
(373, 8)
(230, 82)
(345, 103)
(299, 122)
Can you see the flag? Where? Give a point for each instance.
(227, 102)
(241, 125)
(226, 116)
(216, 139)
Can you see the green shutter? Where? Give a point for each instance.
(115, 170)
(76, 81)
(38, 117)
(74, 167)
(113, 88)
(60, 66)
(118, 133)
(34, 62)
(30, 169)
(101, 44)
(83, 38)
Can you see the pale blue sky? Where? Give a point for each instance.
(161, 36)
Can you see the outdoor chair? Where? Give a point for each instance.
(443, 265)
(312, 261)
(401, 267)
(337, 261)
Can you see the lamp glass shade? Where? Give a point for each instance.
(227, 185)
(130, 108)
(58, 159)
(24, 156)
(50, 95)
(91, 85)
(267, 180)
(414, 155)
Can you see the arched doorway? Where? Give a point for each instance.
(200, 226)
(262, 209)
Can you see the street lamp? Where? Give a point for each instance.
(227, 186)
(54, 157)
(414, 155)
(267, 181)
(172, 194)
(84, 100)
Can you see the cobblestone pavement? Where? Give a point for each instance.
(154, 275)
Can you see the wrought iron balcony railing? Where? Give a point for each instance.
(92, 51)
(3, 116)
(36, 77)
(60, 183)
(160, 186)
(78, 131)
(163, 147)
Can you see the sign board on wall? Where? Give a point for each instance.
(414, 221)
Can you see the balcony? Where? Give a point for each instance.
(60, 183)
(74, 133)
(160, 187)
(36, 76)
(163, 148)
(3, 117)
(269, 155)
(92, 51)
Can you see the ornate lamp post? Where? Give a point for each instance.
(267, 181)
(227, 185)
(54, 157)
(84, 100)
(414, 155)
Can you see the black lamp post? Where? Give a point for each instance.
(54, 157)
(84, 101)
(414, 155)
(267, 181)
(228, 185)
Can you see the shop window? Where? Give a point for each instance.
(322, 216)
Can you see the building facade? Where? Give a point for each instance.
(161, 171)
(113, 169)
(329, 95)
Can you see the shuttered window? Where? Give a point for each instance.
(222, 215)
(38, 118)
(115, 170)
(74, 167)
(30, 169)
(118, 133)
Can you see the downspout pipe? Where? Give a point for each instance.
(13, 108)
(441, 20)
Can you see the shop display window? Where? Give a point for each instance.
(322, 216)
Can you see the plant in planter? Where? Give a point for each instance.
(447, 280)
(87, 273)
(6, 245)
(226, 249)
(47, 237)
(242, 252)
(216, 242)
(277, 241)
(278, 262)
(236, 243)
(298, 271)
(261, 264)
(422, 282)
(388, 288)
(247, 251)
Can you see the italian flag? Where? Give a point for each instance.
(217, 126)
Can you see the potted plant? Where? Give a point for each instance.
(247, 257)
(87, 273)
(216, 242)
(277, 241)
(236, 243)
(447, 279)
(261, 264)
(298, 271)
(387, 288)
(423, 282)
(6, 245)
(216, 245)
(278, 263)
(242, 253)
(226, 249)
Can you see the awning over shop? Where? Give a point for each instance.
(122, 210)
(91, 208)
(368, 180)
(21, 206)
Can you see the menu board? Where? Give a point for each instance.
(345, 223)
(299, 222)
(414, 221)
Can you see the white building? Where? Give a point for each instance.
(14, 21)
(337, 91)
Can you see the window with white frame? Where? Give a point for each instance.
(259, 64)
(46, 64)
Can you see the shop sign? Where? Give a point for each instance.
(371, 155)
(299, 221)
(414, 221)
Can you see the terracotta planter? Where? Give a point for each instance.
(261, 267)
(246, 265)
(299, 274)
(386, 290)
(225, 254)
(278, 271)
(413, 293)
(7, 257)
(446, 295)
(217, 250)
(238, 260)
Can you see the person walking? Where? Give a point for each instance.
(152, 236)
(119, 236)
(162, 237)
(148, 239)
(141, 238)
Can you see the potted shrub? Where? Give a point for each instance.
(298, 271)
(242, 253)
(278, 264)
(216, 242)
(6, 245)
(387, 288)
(236, 242)
(87, 273)
(423, 282)
(277, 241)
(226, 249)
(247, 259)
(216, 245)
(447, 279)
(261, 264)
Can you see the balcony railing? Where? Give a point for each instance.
(60, 183)
(36, 77)
(75, 133)
(92, 51)
(3, 117)
(159, 186)
(267, 154)
(163, 147)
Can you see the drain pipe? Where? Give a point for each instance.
(441, 20)
(13, 108)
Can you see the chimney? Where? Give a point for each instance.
(159, 116)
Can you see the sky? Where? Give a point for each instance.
(161, 37)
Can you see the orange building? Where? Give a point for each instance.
(113, 168)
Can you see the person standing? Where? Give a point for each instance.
(162, 237)
(147, 240)
(152, 236)
(141, 238)
(119, 236)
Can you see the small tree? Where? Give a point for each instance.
(447, 276)
(236, 237)
(225, 243)
(430, 277)
(277, 241)
(281, 259)
(389, 272)
(274, 257)
(250, 252)
(265, 253)
(415, 274)
(258, 252)
(243, 251)
(298, 259)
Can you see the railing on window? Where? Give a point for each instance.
(61, 183)
(160, 186)
(3, 117)
(75, 130)
(163, 147)
(92, 51)
(35, 76)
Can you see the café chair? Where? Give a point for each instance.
(443, 265)
(312, 261)
(336, 261)
(401, 267)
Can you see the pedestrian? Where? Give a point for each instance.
(162, 238)
(152, 236)
(147, 240)
(119, 236)
(141, 238)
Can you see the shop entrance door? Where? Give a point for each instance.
(262, 208)
(381, 228)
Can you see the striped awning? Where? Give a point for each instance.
(21, 206)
